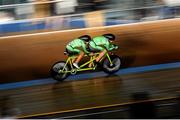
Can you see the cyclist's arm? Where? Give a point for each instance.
(111, 46)
(84, 48)
(108, 46)
(76, 50)
(99, 48)
(93, 45)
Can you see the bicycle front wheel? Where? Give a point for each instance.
(111, 68)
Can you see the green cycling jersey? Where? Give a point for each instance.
(100, 43)
(75, 45)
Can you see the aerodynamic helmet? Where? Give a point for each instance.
(85, 38)
(109, 36)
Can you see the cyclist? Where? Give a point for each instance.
(102, 44)
(78, 46)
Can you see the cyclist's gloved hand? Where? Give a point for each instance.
(115, 47)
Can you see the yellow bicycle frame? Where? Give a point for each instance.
(92, 58)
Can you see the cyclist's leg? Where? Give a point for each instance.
(93, 50)
(102, 53)
(80, 56)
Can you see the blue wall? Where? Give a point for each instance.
(70, 23)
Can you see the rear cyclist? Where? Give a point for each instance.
(78, 46)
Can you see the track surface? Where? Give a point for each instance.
(72, 95)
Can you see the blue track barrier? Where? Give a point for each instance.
(85, 76)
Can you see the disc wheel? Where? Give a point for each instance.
(111, 68)
(55, 71)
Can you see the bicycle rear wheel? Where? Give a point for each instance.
(58, 66)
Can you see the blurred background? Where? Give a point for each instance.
(45, 15)
(27, 91)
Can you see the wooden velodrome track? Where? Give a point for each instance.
(90, 94)
(30, 56)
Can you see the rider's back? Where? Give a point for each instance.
(100, 40)
(76, 43)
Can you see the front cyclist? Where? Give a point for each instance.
(102, 44)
